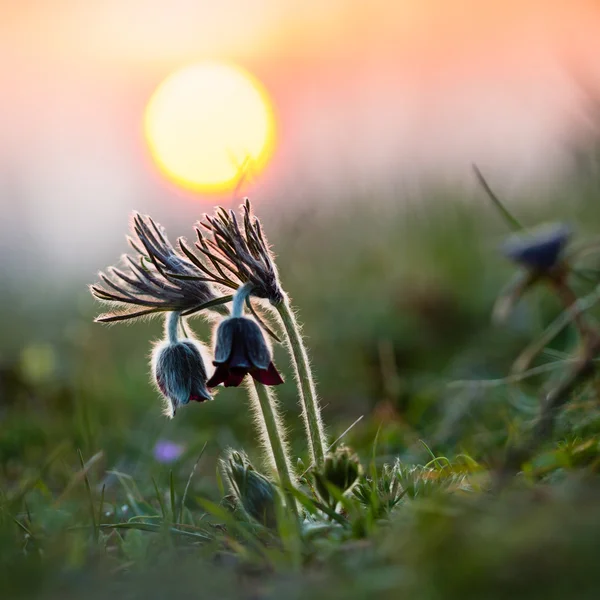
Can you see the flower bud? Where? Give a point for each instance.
(255, 494)
(539, 249)
(341, 469)
(179, 373)
(240, 349)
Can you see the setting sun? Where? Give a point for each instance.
(208, 124)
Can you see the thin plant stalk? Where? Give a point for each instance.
(272, 433)
(545, 422)
(172, 324)
(311, 411)
(269, 422)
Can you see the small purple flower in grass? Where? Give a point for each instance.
(166, 451)
(241, 349)
(539, 249)
(179, 373)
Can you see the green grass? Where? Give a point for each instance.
(396, 306)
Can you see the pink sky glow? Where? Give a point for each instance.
(384, 91)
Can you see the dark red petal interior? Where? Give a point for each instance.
(235, 377)
(219, 376)
(269, 376)
(194, 398)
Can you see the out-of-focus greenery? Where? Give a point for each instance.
(396, 301)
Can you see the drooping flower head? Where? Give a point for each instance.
(157, 278)
(179, 373)
(241, 349)
(539, 249)
(237, 254)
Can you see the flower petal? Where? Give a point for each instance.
(235, 377)
(239, 355)
(539, 248)
(268, 376)
(219, 376)
(226, 334)
(256, 346)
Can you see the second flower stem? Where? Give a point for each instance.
(274, 439)
(306, 387)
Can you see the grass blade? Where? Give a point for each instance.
(161, 503)
(511, 221)
(173, 505)
(189, 481)
(88, 488)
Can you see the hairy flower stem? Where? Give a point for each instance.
(269, 421)
(273, 438)
(237, 309)
(568, 298)
(172, 326)
(311, 411)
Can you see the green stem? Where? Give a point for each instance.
(274, 439)
(306, 387)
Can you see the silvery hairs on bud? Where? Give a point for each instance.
(179, 373)
(341, 469)
(156, 279)
(237, 254)
(255, 494)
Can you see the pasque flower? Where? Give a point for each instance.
(240, 349)
(539, 249)
(179, 373)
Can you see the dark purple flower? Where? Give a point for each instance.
(241, 349)
(539, 249)
(179, 373)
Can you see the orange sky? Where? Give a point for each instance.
(365, 92)
(149, 32)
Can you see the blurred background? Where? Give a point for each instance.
(366, 95)
(384, 240)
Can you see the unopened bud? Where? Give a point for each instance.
(255, 494)
(341, 470)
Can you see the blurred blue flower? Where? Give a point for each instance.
(166, 451)
(539, 249)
